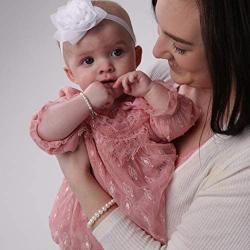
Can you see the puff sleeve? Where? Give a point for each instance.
(67, 144)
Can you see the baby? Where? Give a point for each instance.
(126, 120)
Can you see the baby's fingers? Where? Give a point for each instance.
(118, 83)
(123, 82)
(132, 77)
(126, 85)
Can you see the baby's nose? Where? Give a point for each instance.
(106, 67)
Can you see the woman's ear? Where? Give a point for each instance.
(138, 55)
(69, 73)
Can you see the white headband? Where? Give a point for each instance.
(73, 20)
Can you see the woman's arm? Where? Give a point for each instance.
(218, 218)
(76, 169)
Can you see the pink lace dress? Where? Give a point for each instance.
(132, 158)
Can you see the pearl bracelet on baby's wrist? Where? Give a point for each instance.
(91, 110)
(100, 212)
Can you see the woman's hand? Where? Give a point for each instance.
(75, 165)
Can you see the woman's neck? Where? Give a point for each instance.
(201, 131)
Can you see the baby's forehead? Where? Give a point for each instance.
(104, 36)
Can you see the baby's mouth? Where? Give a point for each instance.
(109, 81)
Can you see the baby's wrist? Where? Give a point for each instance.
(89, 104)
(149, 89)
(89, 96)
(93, 97)
(154, 91)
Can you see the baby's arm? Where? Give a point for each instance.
(138, 84)
(61, 119)
(171, 114)
(55, 146)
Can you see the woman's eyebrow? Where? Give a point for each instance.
(177, 39)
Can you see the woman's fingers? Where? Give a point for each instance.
(74, 163)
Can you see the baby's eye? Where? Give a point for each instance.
(117, 52)
(87, 60)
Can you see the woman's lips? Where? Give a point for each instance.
(174, 67)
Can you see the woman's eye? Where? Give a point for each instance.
(179, 50)
(117, 52)
(87, 60)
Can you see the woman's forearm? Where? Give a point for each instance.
(91, 196)
(61, 119)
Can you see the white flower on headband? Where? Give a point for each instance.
(75, 19)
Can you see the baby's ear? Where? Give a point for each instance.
(69, 73)
(138, 55)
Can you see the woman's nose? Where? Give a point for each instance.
(161, 49)
(106, 67)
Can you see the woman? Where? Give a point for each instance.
(208, 205)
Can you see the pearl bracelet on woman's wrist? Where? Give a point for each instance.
(91, 110)
(101, 211)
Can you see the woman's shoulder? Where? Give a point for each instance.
(224, 159)
(233, 151)
(237, 144)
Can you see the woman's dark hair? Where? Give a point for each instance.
(225, 27)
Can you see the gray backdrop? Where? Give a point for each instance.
(31, 73)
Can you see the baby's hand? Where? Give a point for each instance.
(134, 83)
(101, 96)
